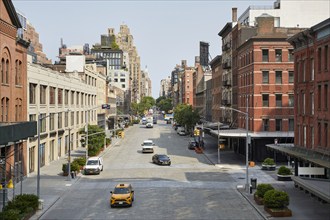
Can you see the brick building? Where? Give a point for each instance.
(13, 96)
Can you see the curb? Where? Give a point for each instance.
(252, 204)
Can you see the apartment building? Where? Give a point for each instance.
(14, 128)
(165, 87)
(145, 83)
(65, 102)
(312, 98)
(187, 85)
(288, 13)
(216, 88)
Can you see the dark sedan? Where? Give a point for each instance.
(192, 144)
(161, 159)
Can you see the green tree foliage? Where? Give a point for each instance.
(276, 199)
(146, 103)
(114, 45)
(186, 116)
(284, 171)
(95, 142)
(164, 104)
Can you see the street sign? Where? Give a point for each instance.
(105, 106)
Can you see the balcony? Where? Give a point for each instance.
(226, 83)
(226, 65)
(226, 47)
(225, 102)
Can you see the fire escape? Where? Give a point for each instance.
(226, 85)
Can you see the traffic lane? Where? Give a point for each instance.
(157, 202)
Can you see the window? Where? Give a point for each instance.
(304, 70)
(326, 58)
(265, 124)
(52, 121)
(319, 97)
(66, 119)
(319, 59)
(278, 100)
(42, 155)
(32, 93)
(59, 147)
(59, 120)
(72, 97)
(312, 103)
(123, 86)
(291, 77)
(72, 118)
(278, 55)
(66, 97)
(18, 72)
(5, 77)
(265, 55)
(43, 123)
(319, 134)
(265, 77)
(312, 69)
(265, 100)
(43, 94)
(278, 124)
(326, 133)
(290, 55)
(4, 109)
(32, 117)
(291, 100)
(77, 118)
(52, 95)
(51, 150)
(31, 159)
(122, 80)
(291, 124)
(77, 98)
(325, 97)
(305, 136)
(18, 109)
(278, 75)
(60, 96)
(304, 103)
(3, 70)
(313, 137)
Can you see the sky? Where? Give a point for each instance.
(164, 32)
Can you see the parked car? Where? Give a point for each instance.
(182, 132)
(94, 165)
(149, 125)
(148, 146)
(122, 195)
(144, 121)
(192, 144)
(161, 159)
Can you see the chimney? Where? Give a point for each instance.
(234, 14)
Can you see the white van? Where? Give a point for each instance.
(94, 165)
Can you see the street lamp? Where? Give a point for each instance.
(247, 185)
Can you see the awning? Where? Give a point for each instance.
(239, 132)
(17, 131)
(321, 159)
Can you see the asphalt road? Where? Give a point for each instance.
(191, 188)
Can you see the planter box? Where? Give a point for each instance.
(268, 167)
(285, 212)
(283, 177)
(258, 200)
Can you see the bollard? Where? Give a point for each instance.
(250, 187)
(40, 204)
(72, 175)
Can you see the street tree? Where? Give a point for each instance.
(146, 103)
(96, 136)
(165, 104)
(186, 116)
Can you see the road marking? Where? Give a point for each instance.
(68, 184)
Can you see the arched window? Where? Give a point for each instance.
(18, 109)
(2, 70)
(7, 72)
(4, 109)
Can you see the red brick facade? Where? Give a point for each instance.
(13, 81)
(312, 93)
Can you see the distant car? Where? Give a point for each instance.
(192, 144)
(149, 125)
(94, 165)
(182, 132)
(144, 121)
(123, 195)
(161, 159)
(148, 146)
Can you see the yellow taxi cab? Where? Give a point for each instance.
(123, 195)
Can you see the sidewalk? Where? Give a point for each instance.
(303, 206)
(52, 183)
